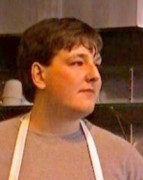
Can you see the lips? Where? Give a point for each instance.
(90, 91)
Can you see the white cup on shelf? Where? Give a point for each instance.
(12, 93)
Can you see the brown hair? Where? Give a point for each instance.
(42, 41)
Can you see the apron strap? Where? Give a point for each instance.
(19, 148)
(93, 153)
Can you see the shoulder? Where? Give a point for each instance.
(9, 128)
(116, 152)
(110, 141)
(103, 136)
(8, 133)
(8, 124)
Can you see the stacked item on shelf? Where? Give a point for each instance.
(13, 94)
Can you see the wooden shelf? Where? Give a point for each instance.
(104, 114)
(7, 112)
(128, 112)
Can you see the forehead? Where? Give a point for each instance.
(88, 44)
(83, 51)
(76, 51)
(79, 51)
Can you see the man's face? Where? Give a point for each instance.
(73, 81)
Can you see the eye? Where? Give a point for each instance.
(98, 61)
(76, 62)
(98, 65)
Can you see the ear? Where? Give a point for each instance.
(38, 75)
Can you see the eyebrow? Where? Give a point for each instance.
(77, 55)
(96, 57)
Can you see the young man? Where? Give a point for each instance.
(58, 61)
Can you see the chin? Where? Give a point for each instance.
(86, 111)
(89, 111)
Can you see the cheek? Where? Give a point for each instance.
(62, 82)
(98, 86)
(68, 76)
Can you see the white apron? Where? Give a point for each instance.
(20, 144)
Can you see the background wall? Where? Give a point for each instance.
(103, 13)
(17, 15)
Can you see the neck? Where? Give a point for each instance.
(50, 121)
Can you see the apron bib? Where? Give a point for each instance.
(20, 145)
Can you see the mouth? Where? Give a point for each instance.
(88, 91)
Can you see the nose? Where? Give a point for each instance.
(92, 73)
